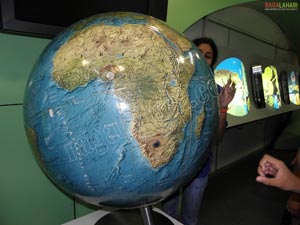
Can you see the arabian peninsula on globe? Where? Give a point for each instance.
(120, 109)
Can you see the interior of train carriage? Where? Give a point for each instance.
(256, 35)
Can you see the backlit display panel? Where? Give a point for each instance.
(233, 68)
(293, 86)
(271, 87)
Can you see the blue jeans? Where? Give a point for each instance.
(191, 202)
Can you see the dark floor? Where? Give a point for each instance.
(233, 197)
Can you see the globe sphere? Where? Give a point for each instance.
(120, 109)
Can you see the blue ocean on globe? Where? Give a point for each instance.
(120, 110)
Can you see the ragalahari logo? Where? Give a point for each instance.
(281, 5)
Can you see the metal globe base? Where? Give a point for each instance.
(141, 216)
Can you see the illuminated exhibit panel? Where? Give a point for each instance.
(293, 86)
(271, 87)
(257, 86)
(233, 68)
(284, 89)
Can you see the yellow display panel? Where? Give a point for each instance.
(271, 87)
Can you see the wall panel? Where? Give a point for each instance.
(27, 195)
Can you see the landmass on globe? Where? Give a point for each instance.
(123, 56)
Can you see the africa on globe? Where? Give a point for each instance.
(119, 110)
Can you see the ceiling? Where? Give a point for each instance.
(287, 20)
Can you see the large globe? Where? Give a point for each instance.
(120, 110)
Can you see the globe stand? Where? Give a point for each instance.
(141, 216)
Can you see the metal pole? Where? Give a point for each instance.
(147, 215)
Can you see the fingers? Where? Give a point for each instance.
(230, 87)
(230, 84)
(267, 170)
(270, 161)
(274, 172)
(226, 94)
(268, 166)
(271, 171)
(266, 181)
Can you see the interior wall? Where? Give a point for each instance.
(27, 196)
(243, 140)
(236, 32)
(235, 26)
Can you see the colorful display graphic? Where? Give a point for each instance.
(233, 68)
(257, 86)
(293, 85)
(284, 89)
(271, 87)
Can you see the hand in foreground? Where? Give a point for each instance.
(274, 172)
(227, 94)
